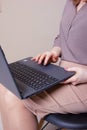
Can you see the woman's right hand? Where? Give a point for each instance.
(47, 57)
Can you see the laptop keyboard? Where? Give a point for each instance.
(31, 77)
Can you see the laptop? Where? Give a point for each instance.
(26, 78)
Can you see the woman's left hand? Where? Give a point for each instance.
(79, 77)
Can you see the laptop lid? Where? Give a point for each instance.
(6, 78)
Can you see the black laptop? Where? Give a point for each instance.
(26, 78)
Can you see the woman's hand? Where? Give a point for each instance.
(48, 57)
(79, 77)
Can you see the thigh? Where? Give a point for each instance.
(60, 98)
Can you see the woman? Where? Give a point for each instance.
(70, 96)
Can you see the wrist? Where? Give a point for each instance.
(56, 51)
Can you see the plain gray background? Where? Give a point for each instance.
(28, 27)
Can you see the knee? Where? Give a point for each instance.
(9, 97)
(6, 96)
(9, 100)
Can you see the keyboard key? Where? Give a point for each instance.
(30, 76)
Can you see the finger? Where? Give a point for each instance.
(42, 57)
(54, 59)
(47, 59)
(36, 58)
(72, 69)
(71, 80)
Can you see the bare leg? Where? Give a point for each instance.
(14, 115)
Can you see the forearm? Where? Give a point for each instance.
(56, 50)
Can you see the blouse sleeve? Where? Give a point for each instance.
(57, 41)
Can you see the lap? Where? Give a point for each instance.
(61, 99)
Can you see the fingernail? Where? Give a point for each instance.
(45, 63)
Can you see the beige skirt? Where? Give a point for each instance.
(60, 99)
